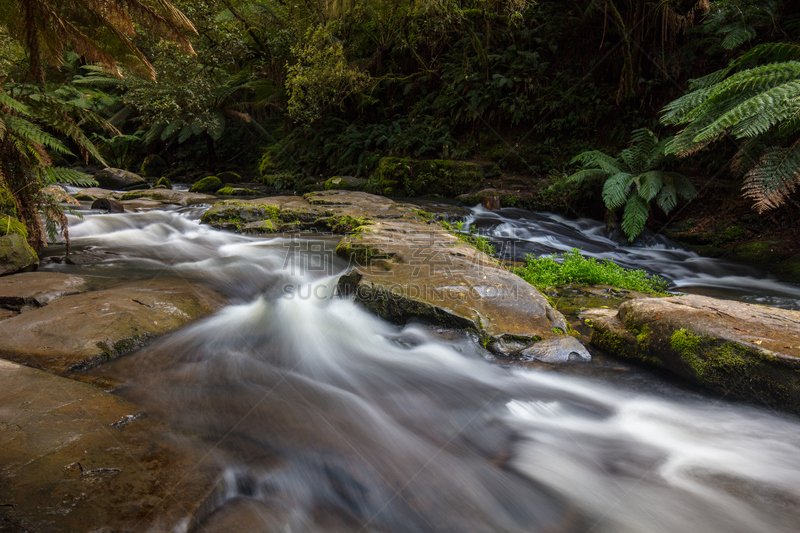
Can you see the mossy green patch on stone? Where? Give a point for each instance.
(163, 183)
(236, 191)
(208, 185)
(152, 166)
(7, 205)
(229, 176)
(9, 225)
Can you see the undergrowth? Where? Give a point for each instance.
(548, 272)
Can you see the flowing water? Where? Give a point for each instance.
(326, 418)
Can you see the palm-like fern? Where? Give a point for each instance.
(759, 105)
(634, 180)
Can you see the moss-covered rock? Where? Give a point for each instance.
(760, 252)
(177, 174)
(153, 166)
(117, 179)
(346, 183)
(229, 176)
(207, 185)
(747, 351)
(413, 177)
(16, 255)
(163, 183)
(236, 191)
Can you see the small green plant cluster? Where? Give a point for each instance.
(547, 272)
(479, 242)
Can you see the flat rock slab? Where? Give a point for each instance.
(168, 196)
(74, 459)
(748, 351)
(37, 289)
(94, 193)
(82, 330)
(405, 265)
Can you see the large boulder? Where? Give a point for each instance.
(405, 265)
(82, 330)
(119, 180)
(16, 255)
(94, 193)
(207, 185)
(744, 350)
(74, 458)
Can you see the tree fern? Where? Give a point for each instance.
(633, 179)
(757, 104)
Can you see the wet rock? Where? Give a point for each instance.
(37, 289)
(405, 265)
(229, 176)
(168, 196)
(93, 193)
(563, 349)
(80, 331)
(74, 458)
(345, 183)
(237, 191)
(207, 185)
(492, 203)
(119, 180)
(16, 255)
(106, 204)
(748, 351)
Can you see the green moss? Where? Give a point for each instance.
(558, 331)
(163, 183)
(9, 225)
(760, 252)
(152, 166)
(229, 176)
(236, 191)
(208, 185)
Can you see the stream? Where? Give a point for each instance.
(325, 418)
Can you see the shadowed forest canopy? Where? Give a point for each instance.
(290, 93)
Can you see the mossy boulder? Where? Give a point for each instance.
(415, 177)
(153, 166)
(760, 252)
(16, 255)
(747, 351)
(229, 176)
(179, 172)
(163, 183)
(347, 183)
(236, 191)
(207, 185)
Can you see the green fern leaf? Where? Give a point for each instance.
(649, 184)
(584, 176)
(634, 217)
(69, 176)
(598, 159)
(667, 198)
(683, 186)
(615, 189)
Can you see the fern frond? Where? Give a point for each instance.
(774, 178)
(598, 159)
(584, 176)
(634, 217)
(667, 199)
(69, 176)
(615, 189)
(767, 109)
(29, 132)
(683, 186)
(737, 37)
(649, 184)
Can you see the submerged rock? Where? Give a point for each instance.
(119, 180)
(107, 204)
(80, 331)
(405, 265)
(75, 458)
(16, 255)
(748, 351)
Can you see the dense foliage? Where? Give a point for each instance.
(571, 267)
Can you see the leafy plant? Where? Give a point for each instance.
(757, 104)
(634, 179)
(548, 272)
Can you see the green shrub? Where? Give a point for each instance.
(413, 177)
(546, 272)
